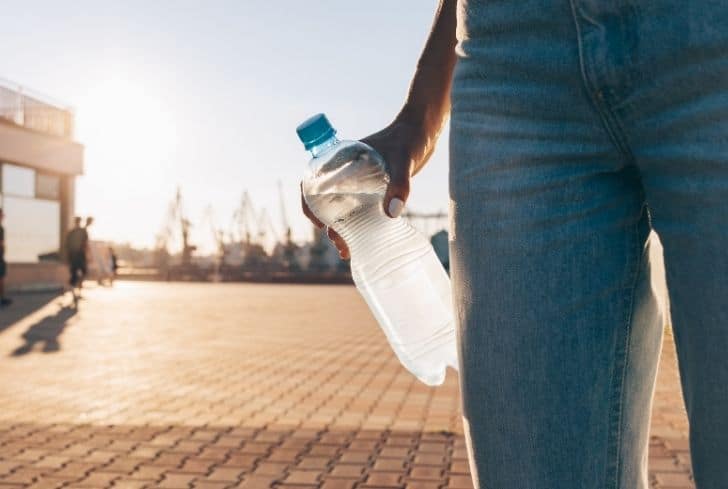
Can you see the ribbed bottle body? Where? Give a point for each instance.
(394, 266)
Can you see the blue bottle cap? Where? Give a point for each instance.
(315, 130)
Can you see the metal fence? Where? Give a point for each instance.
(34, 111)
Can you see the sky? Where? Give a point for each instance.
(206, 96)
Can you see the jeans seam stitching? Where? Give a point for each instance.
(605, 115)
(619, 131)
(610, 475)
(611, 125)
(627, 343)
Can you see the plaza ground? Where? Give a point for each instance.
(238, 385)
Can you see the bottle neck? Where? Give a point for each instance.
(324, 146)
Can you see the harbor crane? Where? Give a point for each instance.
(175, 221)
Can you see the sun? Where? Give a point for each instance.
(126, 129)
(131, 157)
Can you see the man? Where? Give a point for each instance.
(576, 128)
(4, 301)
(76, 246)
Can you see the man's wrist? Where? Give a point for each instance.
(412, 116)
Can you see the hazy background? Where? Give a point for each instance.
(206, 95)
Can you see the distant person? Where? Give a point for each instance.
(76, 247)
(89, 248)
(4, 301)
(114, 262)
(93, 260)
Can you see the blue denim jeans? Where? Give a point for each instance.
(578, 126)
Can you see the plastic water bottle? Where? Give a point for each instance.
(393, 266)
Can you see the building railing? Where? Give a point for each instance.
(34, 111)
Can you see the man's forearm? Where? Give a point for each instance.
(428, 101)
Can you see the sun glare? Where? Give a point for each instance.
(127, 131)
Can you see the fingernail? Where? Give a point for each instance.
(395, 207)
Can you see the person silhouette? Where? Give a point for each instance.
(4, 301)
(46, 331)
(76, 248)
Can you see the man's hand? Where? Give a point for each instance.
(408, 142)
(397, 143)
(332, 235)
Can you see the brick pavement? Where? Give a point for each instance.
(250, 386)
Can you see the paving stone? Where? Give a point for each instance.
(459, 453)
(146, 452)
(460, 467)
(188, 447)
(432, 447)
(426, 473)
(255, 482)
(204, 484)
(673, 479)
(347, 471)
(354, 457)
(383, 479)
(6, 466)
(176, 480)
(394, 452)
(131, 484)
(22, 475)
(124, 465)
(429, 459)
(225, 474)
(52, 462)
(256, 448)
(196, 466)
(363, 445)
(400, 441)
(169, 460)
(48, 483)
(419, 484)
(389, 464)
(677, 444)
(75, 470)
(243, 462)
(324, 450)
(271, 469)
(31, 455)
(460, 482)
(302, 477)
(8, 485)
(284, 455)
(98, 479)
(665, 464)
(339, 483)
(99, 456)
(147, 472)
(313, 463)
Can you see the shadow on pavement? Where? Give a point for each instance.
(24, 305)
(46, 331)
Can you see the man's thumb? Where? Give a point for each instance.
(397, 193)
(394, 209)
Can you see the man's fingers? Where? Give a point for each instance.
(395, 207)
(397, 190)
(339, 243)
(307, 212)
(332, 235)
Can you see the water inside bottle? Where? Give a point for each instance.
(394, 267)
